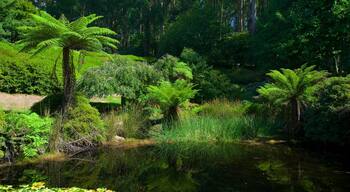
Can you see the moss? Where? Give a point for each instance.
(83, 121)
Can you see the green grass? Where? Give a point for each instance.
(212, 129)
(220, 120)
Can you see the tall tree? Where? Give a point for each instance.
(252, 16)
(76, 35)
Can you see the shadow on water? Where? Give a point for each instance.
(187, 168)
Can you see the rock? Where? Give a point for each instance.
(118, 138)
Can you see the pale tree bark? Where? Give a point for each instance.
(252, 17)
(241, 16)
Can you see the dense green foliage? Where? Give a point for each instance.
(210, 83)
(316, 32)
(327, 120)
(13, 14)
(24, 135)
(18, 76)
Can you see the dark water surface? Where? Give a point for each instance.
(215, 168)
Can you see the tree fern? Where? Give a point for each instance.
(76, 35)
(291, 88)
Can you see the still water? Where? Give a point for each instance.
(185, 168)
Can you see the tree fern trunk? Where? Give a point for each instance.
(295, 117)
(68, 79)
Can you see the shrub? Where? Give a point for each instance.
(172, 69)
(232, 50)
(25, 134)
(26, 77)
(328, 119)
(125, 77)
(210, 83)
(82, 126)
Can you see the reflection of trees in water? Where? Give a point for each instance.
(189, 168)
(294, 175)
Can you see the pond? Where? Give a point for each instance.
(187, 168)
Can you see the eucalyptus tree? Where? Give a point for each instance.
(292, 88)
(70, 36)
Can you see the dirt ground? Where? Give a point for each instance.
(18, 101)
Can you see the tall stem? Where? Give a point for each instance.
(68, 78)
(296, 116)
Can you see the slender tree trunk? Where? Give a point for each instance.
(69, 79)
(241, 16)
(252, 16)
(295, 117)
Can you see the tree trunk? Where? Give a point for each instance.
(295, 117)
(241, 16)
(252, 16)
(68, 80)
(172, 114)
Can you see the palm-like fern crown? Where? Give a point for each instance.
(76, 35)
(288, 84)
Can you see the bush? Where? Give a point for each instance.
(211, 83)
(25, 77)
(82, 126)
(328, 119)
(121, 76)
(232, 50)
(172, 69)
(25, 134)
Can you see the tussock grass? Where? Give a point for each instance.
(212, 129)
(220, 120)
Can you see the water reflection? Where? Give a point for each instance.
(187, 168)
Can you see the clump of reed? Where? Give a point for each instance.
(218, 121)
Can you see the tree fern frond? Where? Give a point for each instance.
(97, 31)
